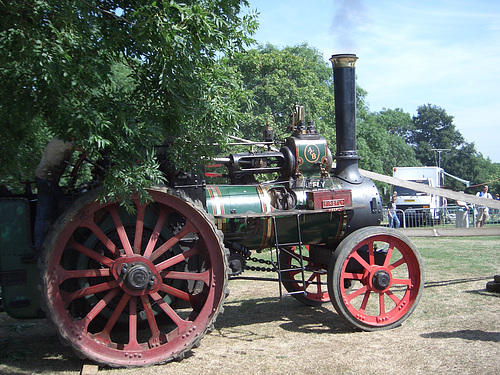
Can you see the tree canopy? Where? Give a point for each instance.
(437, 141)
(380, 143)
(118, 76)
(122, 75)
(276, 80)
(433, 129)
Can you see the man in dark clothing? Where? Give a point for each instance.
(47, 175)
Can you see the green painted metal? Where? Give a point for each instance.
(238, 199)
(258, 231)
(319, 228)
(312, 155)
(20, 294)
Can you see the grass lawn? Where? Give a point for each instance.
(454, 330)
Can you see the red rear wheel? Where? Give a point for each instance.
(134, 289)
(375, 278)
(316, 291)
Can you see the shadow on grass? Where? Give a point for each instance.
(434, 284)
(34, 349)
(21, 349)
(289, 314)
(484, 292)
(473, 335)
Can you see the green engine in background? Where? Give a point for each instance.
(18, 277)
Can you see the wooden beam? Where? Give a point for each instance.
(492, 203)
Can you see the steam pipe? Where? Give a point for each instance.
(344, 77)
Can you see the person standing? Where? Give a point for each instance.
(47, 175)
(483, 211)
(391, 211)
(462, 215)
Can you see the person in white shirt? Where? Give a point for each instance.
(483, 211)
(391, 211)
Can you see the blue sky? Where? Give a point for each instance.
(411, 53)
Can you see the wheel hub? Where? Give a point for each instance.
(136, 275)
(381, 279)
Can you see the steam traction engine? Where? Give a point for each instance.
(137, 289)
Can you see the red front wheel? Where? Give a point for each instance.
(375, 278)
(134, 289)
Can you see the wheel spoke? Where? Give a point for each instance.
(360, 260)
(139, 227)
(203, 276)
(397, 264)
(292, 274)
(388, 256)
(63, 274)
(365, 301)
(381, 300)
(174, 292)
(99, 307)
(188, 228)
(181, 324)
(155, 332)
(177, 259)
(371, 255)
(104, 335)
(120, 229)
(356, 293)
(393, 297)
(353, 276)
(133, 344)
(401, 281)
(156, 233)
(90, 224)
(311, 279)
(69, 297)
(319, 286)
(90, 253)
(296, 255)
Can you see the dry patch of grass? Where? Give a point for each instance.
(454, 330)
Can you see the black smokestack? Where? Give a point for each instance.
(344, 77)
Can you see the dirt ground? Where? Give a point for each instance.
(454, 330)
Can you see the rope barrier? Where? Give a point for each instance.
(486, 183)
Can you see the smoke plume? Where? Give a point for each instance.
(348, 18)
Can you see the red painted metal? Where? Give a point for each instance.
(121, 322)
(330, 199)
(372, 303)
